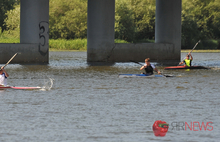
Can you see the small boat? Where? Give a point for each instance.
(139, 75)
(25, 88)
(185, 67)
(20, 88)
(5, 87)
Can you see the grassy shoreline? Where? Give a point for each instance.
(201, 51)
(63, 50)
(182, 51)
(81, 45)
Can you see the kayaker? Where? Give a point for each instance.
(3, 77)
(149, 68)
(187, 61)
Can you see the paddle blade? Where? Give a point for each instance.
(136, 62)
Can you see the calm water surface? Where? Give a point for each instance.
(91, 104)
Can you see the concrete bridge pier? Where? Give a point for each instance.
(35, 26)
(100, 32)
(34, 35)
(168, 25)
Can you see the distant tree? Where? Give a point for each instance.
(13, 18)
(124, 21)
(68, 19)
(12, 22)
(5, 5)
(213, 19)
(190, 32)
(200, 20)
(144, 17)
(135, 20)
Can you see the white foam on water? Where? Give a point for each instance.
(47, 85)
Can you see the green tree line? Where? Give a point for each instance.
(5, 5)
(134, 20)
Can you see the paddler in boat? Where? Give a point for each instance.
(3, 77)
(187, 61)
(149, 68)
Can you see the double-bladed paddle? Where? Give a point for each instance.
(160, 73)
(136, 62)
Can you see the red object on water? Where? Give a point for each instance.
(26, 88)
(20, 88)
(160, 128)
(185, 67)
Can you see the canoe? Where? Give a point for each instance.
(5, 87)
(185, 67)
(139, 75)
(21, 88)
(26, 88)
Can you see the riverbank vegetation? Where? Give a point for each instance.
(134, 23)
(60, 44)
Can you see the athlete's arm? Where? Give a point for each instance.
(6, 74)
(191, 58)
(144, 66)
(181, 63)
(155, 69)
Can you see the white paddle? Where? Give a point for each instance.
(195, 46)
(9, 61)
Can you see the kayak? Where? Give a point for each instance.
(26, 88)
(139, 75)
(21, 88)
(185, 67)
(5, 87)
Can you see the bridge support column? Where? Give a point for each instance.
(34, 27)
(100, 33)
(168, 25)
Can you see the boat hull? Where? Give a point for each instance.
(26, 88)
(185, 67)
(5, 87)
(19, 88)
(138, 75)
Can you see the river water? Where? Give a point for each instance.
(91, 104)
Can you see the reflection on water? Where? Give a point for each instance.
(90, 103)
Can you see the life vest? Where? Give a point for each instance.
(149, 70)
(188, 62)
(3, 79)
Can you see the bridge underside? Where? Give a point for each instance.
(157, 52)
(123, 52)
(27, 54)
(100, 35)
